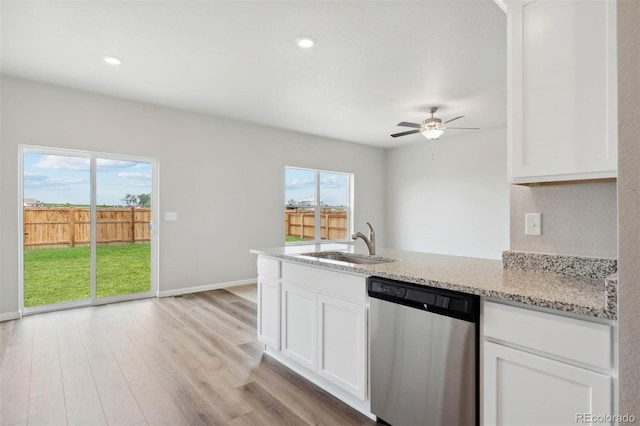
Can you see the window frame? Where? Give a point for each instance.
(318, 206)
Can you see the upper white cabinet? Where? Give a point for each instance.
(562, 90)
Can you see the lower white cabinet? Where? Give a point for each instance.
(269, 311)
(342, 344)
(525, 389)
(316, 318)
(299, 325)
(327, 335)
(542, 368)
(269, 301)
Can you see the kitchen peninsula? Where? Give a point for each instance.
(549, 318)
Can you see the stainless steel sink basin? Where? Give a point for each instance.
(358, 259)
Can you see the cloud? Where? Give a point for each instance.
(62, 163)
(135, 180)
(38, 181)
(115, 164)
(300, 184)
(59, 162)
(333, 181)
(135, 176)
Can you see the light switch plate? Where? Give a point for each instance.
(171, 216)
(533, 224)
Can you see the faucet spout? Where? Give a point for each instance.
(370, 241)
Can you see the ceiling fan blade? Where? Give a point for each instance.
(410, 132)
(414, 125)
(453, 119)
(462, 128)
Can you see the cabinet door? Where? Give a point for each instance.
(562, 90)
(520, 388)
(269, 311)
(342, 345)
(299, 325)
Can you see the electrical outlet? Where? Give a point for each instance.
(170, 216)
(533, 224)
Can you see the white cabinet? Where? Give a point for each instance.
(543, 369)
(562, 90)
(342, 345)
(299, 325)
(323, 325)
(269, 311)
(525, 389)
(269, 302)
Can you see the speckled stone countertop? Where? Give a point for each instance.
(488, 278)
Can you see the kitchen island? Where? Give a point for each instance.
(547, 324)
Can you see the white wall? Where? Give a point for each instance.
(577, 219)
(224, 178)
(629, 205)
(449, 196)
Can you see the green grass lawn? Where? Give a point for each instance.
(63, 274)
(290, 239)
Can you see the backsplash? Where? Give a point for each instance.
(574, 266)
(577, 219)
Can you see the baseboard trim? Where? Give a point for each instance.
(8, 316)
(187, 290)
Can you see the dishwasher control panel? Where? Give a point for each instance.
(445, 302)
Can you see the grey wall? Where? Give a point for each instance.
(450, 196)
(629, 205)
(224, 178)
(577, 219)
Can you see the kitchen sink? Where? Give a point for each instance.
(359, 259)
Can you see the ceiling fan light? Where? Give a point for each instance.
(305, 42)
(112, 60)
(432, 134)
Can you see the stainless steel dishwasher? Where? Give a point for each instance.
(424, 354)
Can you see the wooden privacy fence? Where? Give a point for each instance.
(300, 223)
(56, 227)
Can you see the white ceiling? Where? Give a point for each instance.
(375, 63)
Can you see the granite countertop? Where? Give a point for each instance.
(584, 294)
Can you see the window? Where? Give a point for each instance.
(317, 205)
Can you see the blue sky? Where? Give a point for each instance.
(65, 179)
(300, 185)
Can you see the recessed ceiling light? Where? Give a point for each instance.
(305, 42)
(112, 60)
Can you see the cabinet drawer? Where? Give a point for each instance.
(268, 267)
(580, 340)
(328, 282)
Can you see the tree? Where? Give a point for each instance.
(130, 200)
(144, 200)
(140, 200)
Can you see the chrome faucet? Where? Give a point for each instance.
(370, 242)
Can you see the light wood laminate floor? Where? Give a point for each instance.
(248, 291)
(173, 361)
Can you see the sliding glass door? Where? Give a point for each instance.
(87, 220)
(123, 227)
(56, 229)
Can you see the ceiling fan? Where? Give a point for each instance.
(431, 128)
